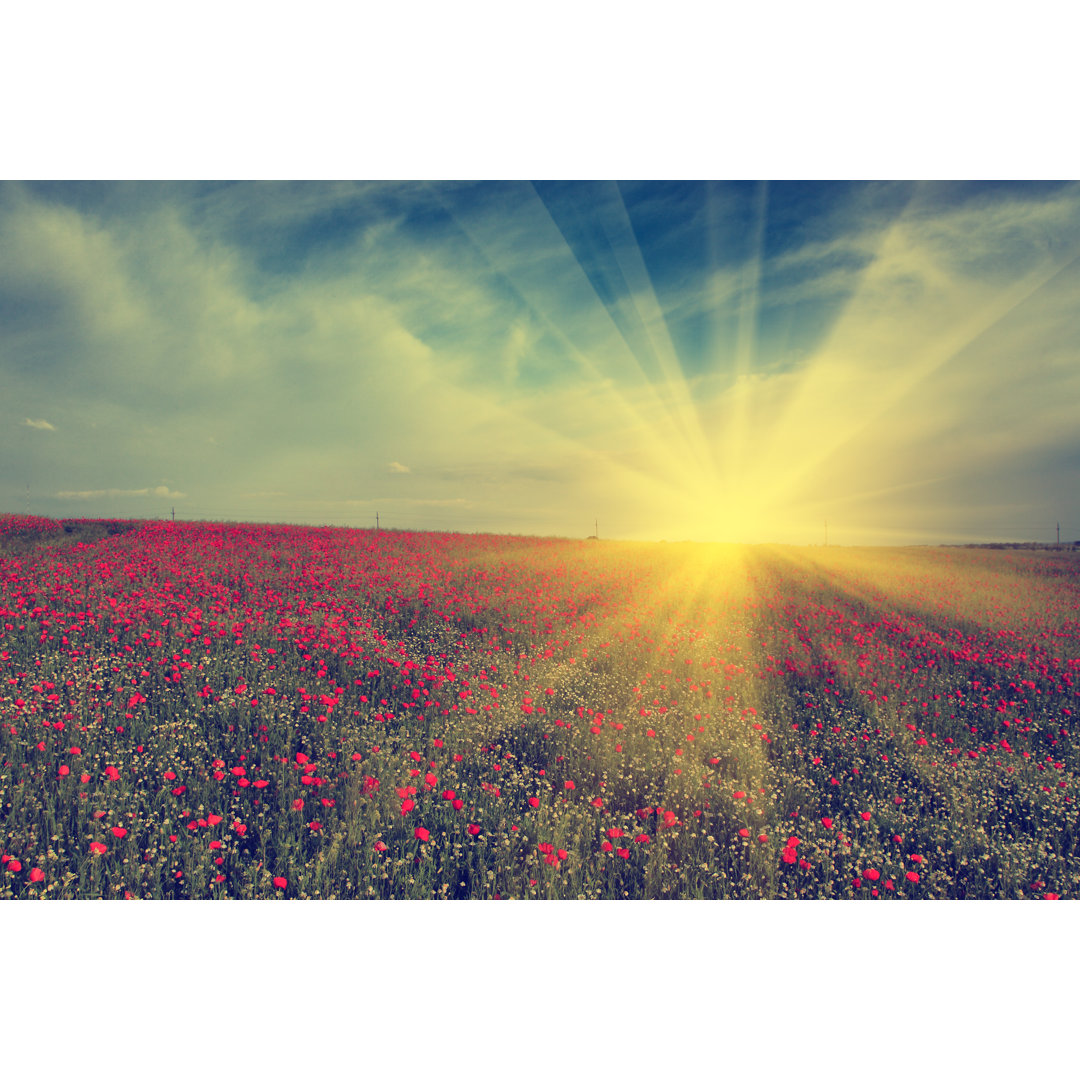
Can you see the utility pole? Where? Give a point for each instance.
(174, 515)
(376, 520)
(1059, 534)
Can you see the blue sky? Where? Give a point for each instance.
(730, 361)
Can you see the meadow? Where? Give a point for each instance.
(197, 710)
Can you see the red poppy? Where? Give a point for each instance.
(260, 783)
(97, 848)
(14, 866)
(623, 853)
(744, 832)
(406, 806)
(298, 804)
(607, 846)
(421, 834)
(871, 874)
(641, 838)
(614, 833)
(302, 759)
(37, 874)
(63, 770)
(865, 815)
(827, 822)
(763, 839)
(379, 845)
(912, 876)
(280, 883)
(474, 830)
(789, 855)
(739, 795)
(916, 858)
(534, 802)
(569, 785)
(119, 832)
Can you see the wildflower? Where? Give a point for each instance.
(379, 845)
(569, 785)
(474, 830)
(421, 834)
(280, 883)
(119, 832)
(37, 874)
(912, 876)
(97, 848)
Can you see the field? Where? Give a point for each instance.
(265, 711)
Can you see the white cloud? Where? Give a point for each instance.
(161, 492)
(397, 467)
(41, 425)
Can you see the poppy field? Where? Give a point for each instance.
(202, 711)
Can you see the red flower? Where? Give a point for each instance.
(119, 832)
(534, 802)
(406, 806)
(421, 834)
(607, 846)
(449, 796)
(916, 858)
(827, 822)
(871, 874)
(379, 845)
(97, 849)
(280, 883)
(569, 785)
(63, 770)
(298, 804)
(789, 855)
(623, 853)
(14, 866)
(739, 795)
(260, 783)
(431, 779)
(763, 839)
(744, 832)
(865, 815)
(641, 838)
(302, 759)
(614, 833)
(474, 830)
(37, 874)
(912, 876)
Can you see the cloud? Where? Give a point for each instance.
(160, 492)
(397, 467)
(41, 425)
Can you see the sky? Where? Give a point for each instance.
(875, 362)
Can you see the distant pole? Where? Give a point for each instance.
(174, 515)
(28, 498)
(1059, 534)
(376, 520)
